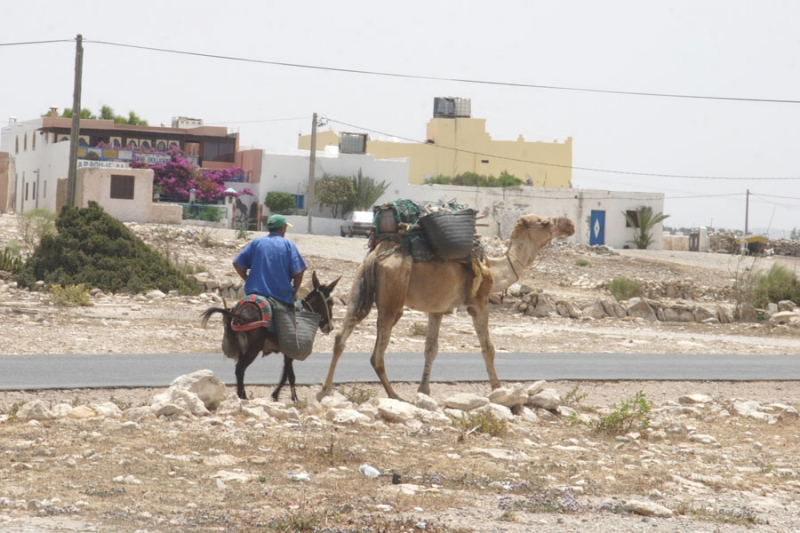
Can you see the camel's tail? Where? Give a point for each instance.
(364, 289)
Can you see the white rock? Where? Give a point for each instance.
(509, 396)
(423, 401)
(465, 401)
(545, 399)
(647, 508)
(397, 411)
(691, 399)
(347, 416)
(35, 410)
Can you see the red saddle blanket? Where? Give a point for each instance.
(266, 313)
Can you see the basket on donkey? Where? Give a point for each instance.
(296, 330)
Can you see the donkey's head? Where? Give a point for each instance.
(320, 301)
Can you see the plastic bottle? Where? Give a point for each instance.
(368, 470)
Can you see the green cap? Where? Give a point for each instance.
(277, 222)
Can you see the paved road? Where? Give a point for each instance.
(28, 372)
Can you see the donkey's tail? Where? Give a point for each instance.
(205, 315)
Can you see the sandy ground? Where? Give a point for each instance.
(58, 477)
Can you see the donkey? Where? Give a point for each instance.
(244, 346)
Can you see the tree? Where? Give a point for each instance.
(107, 113)
(335, 192)
(366, 192)
(279, 202)
(644, 221)
(795, 234)
(472, 179)
(85, 113)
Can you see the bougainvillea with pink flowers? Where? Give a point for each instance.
(178, 177)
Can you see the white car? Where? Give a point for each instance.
(357, 223)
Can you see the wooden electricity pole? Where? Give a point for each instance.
(72, 171)
(312, 163)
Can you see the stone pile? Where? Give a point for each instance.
(541, 305)
(201, 394)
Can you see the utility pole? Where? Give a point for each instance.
(746, 213)
(72, 172)
(312, 162)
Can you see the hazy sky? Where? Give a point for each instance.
(716, 48)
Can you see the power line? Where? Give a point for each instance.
(258, 121)
(454, 80)
(25, 43)
(573, 167)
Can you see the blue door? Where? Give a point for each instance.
(597, 228)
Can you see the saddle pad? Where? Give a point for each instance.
(266, 313)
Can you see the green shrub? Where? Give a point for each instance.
(624, 289)
(583, 263)
(483, 421)
(95, 249)
(778, 283)
(70, 296)
(358, 394)
(280, 202)
(35, 224)
(628, 415)
(10, 260)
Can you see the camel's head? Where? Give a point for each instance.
(542, 230)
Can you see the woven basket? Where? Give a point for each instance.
(450, 234)
(296, 330)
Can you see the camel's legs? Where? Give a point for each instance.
(349, 324)
(431, 350)
(386, 321)
(480, 319)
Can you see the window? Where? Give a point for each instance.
(122, 187)
(222, 150)
(33, 142)
(26, 190)
(25, 143)
(44, 190)
(34, 190)
(299, 201)
(633, 216)
(353, 143)
(16, 145)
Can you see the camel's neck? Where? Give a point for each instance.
(507, 270)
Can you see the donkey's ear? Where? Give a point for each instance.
(332, 285)
(314, 279)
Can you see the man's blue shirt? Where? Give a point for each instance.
(272, 261)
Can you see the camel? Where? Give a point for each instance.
(392, 281)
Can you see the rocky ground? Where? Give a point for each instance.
(715, 457)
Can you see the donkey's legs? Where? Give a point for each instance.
(431, 350)
(288, 374)
(241, 365)
(480, 319)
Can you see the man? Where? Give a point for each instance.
(275, 266)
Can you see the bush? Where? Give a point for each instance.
(35, 224)
(483, 421)
(70, 296)
(94, 249)
(583, 263)
(280, 202)
(778, 283)
(624, 289)
(10, 260)
(628, 415)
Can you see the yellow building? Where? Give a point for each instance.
(457, 143)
